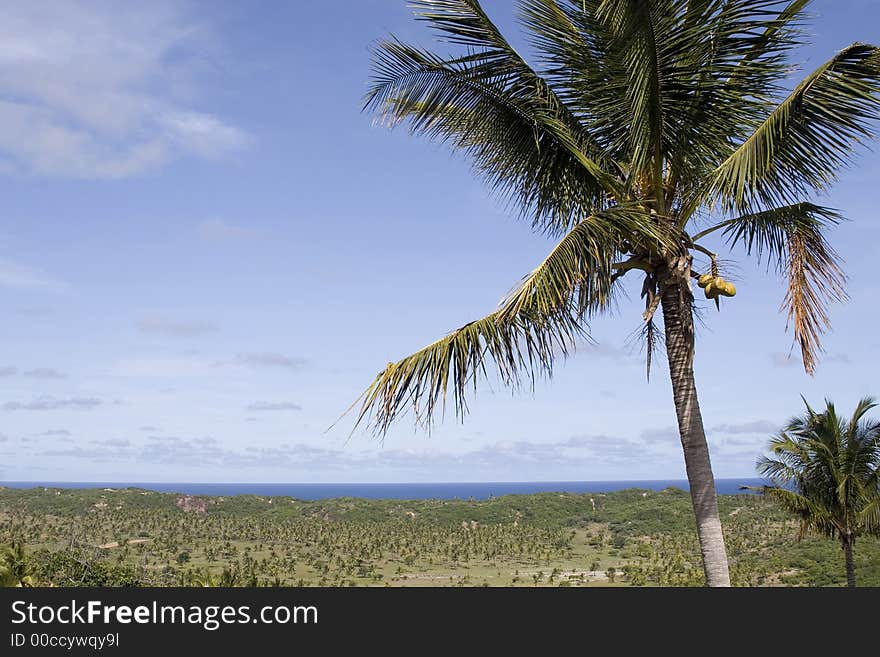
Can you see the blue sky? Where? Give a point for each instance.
(207, 251)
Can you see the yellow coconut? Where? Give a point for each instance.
(728, 289)
(704, 280)
(711, 290)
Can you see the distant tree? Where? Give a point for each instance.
(825, 471)
(200, 577)
(15, 567)
(637, 577)
(611, 573)
(228, 577)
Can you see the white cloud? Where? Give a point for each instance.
(782, 360)
(16, 275)
(571, 455)
(274, 406)
(53, 404)
(754, 427)
(44, 373)
(102, 93)
(217, 230)
(270, 359)
(176, 328)
(202, 134)
(171, 368)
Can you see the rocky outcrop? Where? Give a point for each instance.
(190, 503)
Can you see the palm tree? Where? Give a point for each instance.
(826, 470)
(15, 568)
(646, 126)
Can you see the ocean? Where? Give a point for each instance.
(419, 491)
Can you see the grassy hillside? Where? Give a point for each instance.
(632, 537)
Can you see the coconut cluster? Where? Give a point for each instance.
(714, 285)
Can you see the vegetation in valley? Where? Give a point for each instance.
(134, 537)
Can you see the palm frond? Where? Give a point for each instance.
(785, 468)
(814, 516)
(870, 516)
(462, 22)
(740, 61)
(525, 346)
(792, 238)
(856, 428)
(581, 61)
(653, 340)
(540, 319)
(802, 145)
(648, 31)
(489, 103)
(778, 36)
(583, 262)
(814, 280)
(645, 77)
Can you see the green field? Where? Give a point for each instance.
(133, 537)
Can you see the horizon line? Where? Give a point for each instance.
(357, 483)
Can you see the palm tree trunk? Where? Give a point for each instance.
(850, 564)
(678, 320)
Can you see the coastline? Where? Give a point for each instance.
(395, 491)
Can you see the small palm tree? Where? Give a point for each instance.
(200, 577)
(826, 470)
(15, 568)
(646, 126)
